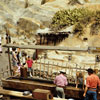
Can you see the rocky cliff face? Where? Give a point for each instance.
(17, 18)
(23, 17)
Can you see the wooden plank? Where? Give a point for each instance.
(26, 85)
(9, 58)
(61, 66)
(17, 84)
(31, 85)
(58, 98)
(19, 94)
(46, 47)
(14, 93)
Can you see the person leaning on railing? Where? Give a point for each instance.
(80, 80)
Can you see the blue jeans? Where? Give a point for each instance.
(91, 93)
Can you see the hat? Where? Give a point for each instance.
(63, 72)
(90, 70)
(28, 56)
(26, 93)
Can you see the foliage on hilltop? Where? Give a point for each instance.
(70, 17)
(80, 17)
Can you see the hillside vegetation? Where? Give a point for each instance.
(80, 17)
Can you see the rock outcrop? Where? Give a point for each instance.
(29, 19)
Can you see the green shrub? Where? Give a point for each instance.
(69, 17)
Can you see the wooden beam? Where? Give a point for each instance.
(9, 61)
(47, 47)
(17, 84)
(14, 93)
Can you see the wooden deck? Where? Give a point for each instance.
(14, 93)
(16, 84)
(19, 94)
(22, 85)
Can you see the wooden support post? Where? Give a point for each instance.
(52, 71)
(7, 71)
(36, 64)
(66, 68)
(23, 71)
(44, 70)
(57, 68)
(9, 61)
(71, 69)
(40, 39)
(48, 70)
(62, 65)
(36, 53)
(76, 67)
(44, 39)
(2, 72)
(40, 67)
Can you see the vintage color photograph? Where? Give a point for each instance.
(49, 49)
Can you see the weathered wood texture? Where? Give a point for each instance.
(26, 85)
(17, 84)
(46, 47)
(41, 94)
(14, 93)
(31, 85)
(8, 93)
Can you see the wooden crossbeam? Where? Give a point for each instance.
(46, 47)
(14, 93)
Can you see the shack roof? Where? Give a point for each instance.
(67, 29)
(49, 31)
(44, 31)
(46, 47)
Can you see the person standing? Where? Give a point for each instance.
(92, 82)
(29, 64)
(18, 56)
(8, 38)
(80, 80)
(23, 58)
(61, 82)
(14, 61)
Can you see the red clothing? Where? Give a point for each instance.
(29, 63)
(92, 81)
(60, 80)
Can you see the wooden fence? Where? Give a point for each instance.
(48, 69)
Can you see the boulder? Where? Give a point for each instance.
(27, 24)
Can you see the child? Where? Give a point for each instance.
(29, 64)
